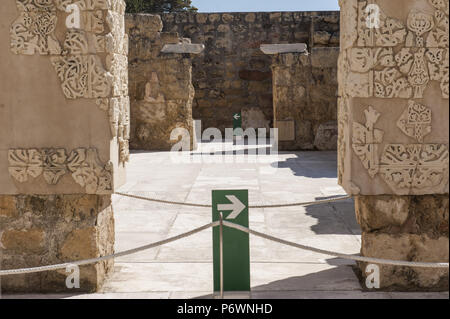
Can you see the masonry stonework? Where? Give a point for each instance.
(394, 133)
(161, 89)
(305, 99)
(64, 131)
(234, 75)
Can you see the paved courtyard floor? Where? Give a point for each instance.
(183, 269)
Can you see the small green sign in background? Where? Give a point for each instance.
(236, 245)
(237, 124)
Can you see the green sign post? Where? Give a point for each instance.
(237, 124)
(233, 204)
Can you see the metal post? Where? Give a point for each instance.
(1, 263)
(221, 255)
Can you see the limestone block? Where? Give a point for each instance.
(182, 48)
(284, 48)
(426, 214)
(324, 57)
(254, 118)
(412, 248)
(55, 229)
(326, 136)
(147, 22)
(321, 37)
(304, 89)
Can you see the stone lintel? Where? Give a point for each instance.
(183, 48)
(284, 48)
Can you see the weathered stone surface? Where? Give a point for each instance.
(305, 93)
(183, 48)
(54, 229)
(254, 118)
(427, 214)
(64, 136)
(411, 248)
(284, 48)
(233, 60)
(321, 37)
(326, 136)
(161, 87)
(27, 241)
(7, 204)
(148, 22)
(253, 75)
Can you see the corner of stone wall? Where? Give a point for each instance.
(54, 229)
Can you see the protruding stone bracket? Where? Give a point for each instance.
(183, 48)
(284, 48)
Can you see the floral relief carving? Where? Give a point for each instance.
(83, 164)
(366, 140)
(24, 163)
(33, 31)
(82, 72)
(438, 66)
(415, 166)
(396, 60)
(82, 76)
(438, 38)
(415, 121)
(418, 23)
(403, 166)
(390, 33)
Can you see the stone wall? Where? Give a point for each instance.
(394, 133)
(64, 130)
(305, 99)
(55, 229)
(233, 75)
(161, 90)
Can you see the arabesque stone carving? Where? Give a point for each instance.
(379, 71)
(82, 72)
(402, 166)
(82, 163)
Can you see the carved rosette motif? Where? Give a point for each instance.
(91, 61)
(83, 164)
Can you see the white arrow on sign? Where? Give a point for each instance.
(236, 206)
(237, 116)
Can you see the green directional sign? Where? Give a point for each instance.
(237, 124)
(236, 246)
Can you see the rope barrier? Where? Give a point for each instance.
(95, 260)
(234, 226)
(343, 256)
(317, 202)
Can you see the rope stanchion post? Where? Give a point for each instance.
(221, 255)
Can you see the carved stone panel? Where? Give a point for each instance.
(393, 91)
(87, 59)
(83, 164)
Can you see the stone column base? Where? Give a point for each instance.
(411, 228)
(54, 229)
